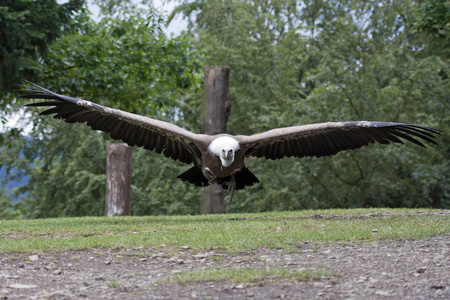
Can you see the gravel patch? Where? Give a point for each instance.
(386, 269)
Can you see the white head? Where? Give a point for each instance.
(225, 147)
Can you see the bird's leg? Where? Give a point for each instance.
(231, 188)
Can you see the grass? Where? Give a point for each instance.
(247, 275)
(233, 232)
(113, 284)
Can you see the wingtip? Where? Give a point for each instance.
(34, 84)
(29, 92)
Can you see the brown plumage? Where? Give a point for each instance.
(220, 158)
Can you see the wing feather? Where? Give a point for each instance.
(150, 139)
(325, 139)
(421, 134)
(177, 143)
(289, 147)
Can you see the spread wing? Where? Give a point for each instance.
(135, 130)
(327, 139)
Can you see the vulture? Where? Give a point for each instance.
(220, 158)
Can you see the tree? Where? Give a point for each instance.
(124, 63)
(295, 63)
(434, 17)
(27, 28)
(9, 210)
(291, 63)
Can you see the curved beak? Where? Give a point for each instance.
(228, 154)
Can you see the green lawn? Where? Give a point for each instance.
(233, 232)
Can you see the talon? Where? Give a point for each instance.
(231, 195)
(231, 188)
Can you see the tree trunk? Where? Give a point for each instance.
(118, 180)
(216, 110)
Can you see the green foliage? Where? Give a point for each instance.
(123, 8)
(127, 64)
(327, 61)
(291, 63)
(26, 30)
(8, 210)
(434, 17)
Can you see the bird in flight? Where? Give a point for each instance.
(220, 158)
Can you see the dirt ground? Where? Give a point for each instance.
(388, 269)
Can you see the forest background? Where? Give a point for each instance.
(292, 63)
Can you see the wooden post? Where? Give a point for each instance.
(216, 110)
(118, 180)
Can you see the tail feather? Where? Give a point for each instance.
(194, 176)
(243, 178)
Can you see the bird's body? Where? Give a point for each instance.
(222, 163)
(220, 158)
